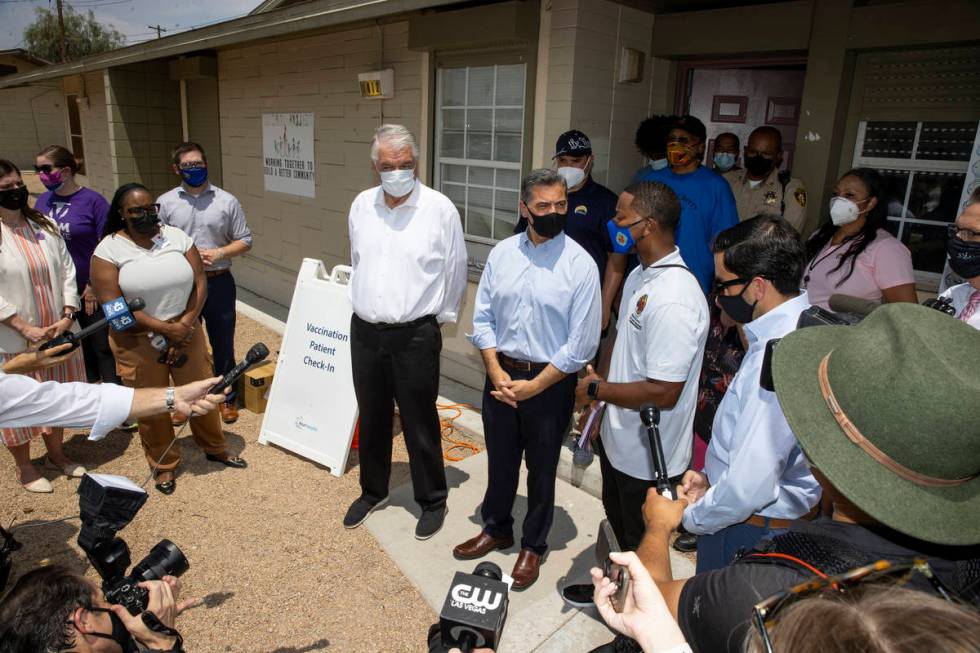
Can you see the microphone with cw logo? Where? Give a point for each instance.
(475, 609)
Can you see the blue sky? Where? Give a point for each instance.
(131, 17)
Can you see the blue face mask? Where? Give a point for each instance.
(659, 164)
(724, 161)
(622, 240)
(194, 177)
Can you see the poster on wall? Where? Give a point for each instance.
(287, 153)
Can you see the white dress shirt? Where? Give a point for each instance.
(539, 303)
(408, 262)
(753, 462)
(960, 295)
(26, 402)
(662, 328)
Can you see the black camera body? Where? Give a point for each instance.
(111, 560)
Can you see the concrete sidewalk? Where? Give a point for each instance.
(538, 620)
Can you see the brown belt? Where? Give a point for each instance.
(215, 273)
(776, 523)
(519, 365)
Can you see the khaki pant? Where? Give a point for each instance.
(136, 362)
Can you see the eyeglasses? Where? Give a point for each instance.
(140, 211)
(721, 285)
(384, 167)
(46, 169)
(764, 613)
(969, 235)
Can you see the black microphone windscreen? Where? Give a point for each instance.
(258, 352)
(488, 569)
(648, 413)
(136, 304)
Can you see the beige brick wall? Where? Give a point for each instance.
(203, 125)
(585, 41)
(93, 112)
(143, 107)
(315, 74)
(31, 117)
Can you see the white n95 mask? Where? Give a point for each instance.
(573, 176)
(398, 183)
(843, 211)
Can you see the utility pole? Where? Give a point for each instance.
(61, 30)
(154, 27)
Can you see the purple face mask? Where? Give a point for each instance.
(52, 180)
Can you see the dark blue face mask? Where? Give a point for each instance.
(194, 177)
(621, 237)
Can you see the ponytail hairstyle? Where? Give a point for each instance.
(874, 220)
(60, 157)
(114, 220)
(32, 214)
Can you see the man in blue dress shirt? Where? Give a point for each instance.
(707, 203)
(755, 479)
(536, 323)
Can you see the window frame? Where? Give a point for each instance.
(71, 102)
(478, 247)
(924, 279)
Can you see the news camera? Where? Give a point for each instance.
(107, 504)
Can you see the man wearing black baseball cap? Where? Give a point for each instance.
(590, 205)
(885, 412)
(707, 203)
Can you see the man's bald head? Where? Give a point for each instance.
(767, 139)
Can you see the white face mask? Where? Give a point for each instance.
(573, 176)
(843, 211)
(659, 164)
(398, 183)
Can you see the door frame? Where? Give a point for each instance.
(686, 67)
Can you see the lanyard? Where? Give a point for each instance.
(817, 261)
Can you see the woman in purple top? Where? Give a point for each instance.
(81, 216)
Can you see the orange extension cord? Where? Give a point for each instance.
(448, 428)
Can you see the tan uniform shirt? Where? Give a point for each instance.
(768, 197)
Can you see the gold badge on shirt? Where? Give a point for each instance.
(770, 197)
(581, 209)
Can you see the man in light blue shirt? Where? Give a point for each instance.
(536, 323)
(755, 479)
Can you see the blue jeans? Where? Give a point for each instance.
(718, 550)
(219, 319)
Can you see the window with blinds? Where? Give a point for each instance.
(479, 145)
(924, 165)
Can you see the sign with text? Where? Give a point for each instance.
(287, 153)
(312, 409)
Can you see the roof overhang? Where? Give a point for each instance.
(308, 16)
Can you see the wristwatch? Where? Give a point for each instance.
(593, 390)
(70, 314)
(171, 401)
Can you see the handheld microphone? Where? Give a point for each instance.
(118, 315)
(475, 609)
(256, 354)
(650, 415)
(853, 305)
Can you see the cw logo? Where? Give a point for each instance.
(467, 594)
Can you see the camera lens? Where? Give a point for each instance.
(165, 559)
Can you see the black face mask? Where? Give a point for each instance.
(146, 224)
(964, 257)
(119, 634)
(736, 307)
(14, 199)
(758, 166)
(548, 225)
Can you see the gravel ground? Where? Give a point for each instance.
(277, 571)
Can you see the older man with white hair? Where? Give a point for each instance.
(409, 261)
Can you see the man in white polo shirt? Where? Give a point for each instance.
(662, 328)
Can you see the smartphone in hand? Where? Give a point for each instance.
(618, 574)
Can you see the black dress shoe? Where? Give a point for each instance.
(686, 543)
(167, 487)
(231, 461)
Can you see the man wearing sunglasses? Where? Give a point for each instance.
(214, 219)
(904, 480)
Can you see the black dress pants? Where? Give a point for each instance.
(535, 429)
(100, 364)
(622, 499)
(399, 363)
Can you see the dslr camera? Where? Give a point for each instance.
(108, 504)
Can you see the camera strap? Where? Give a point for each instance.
(152, 622)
